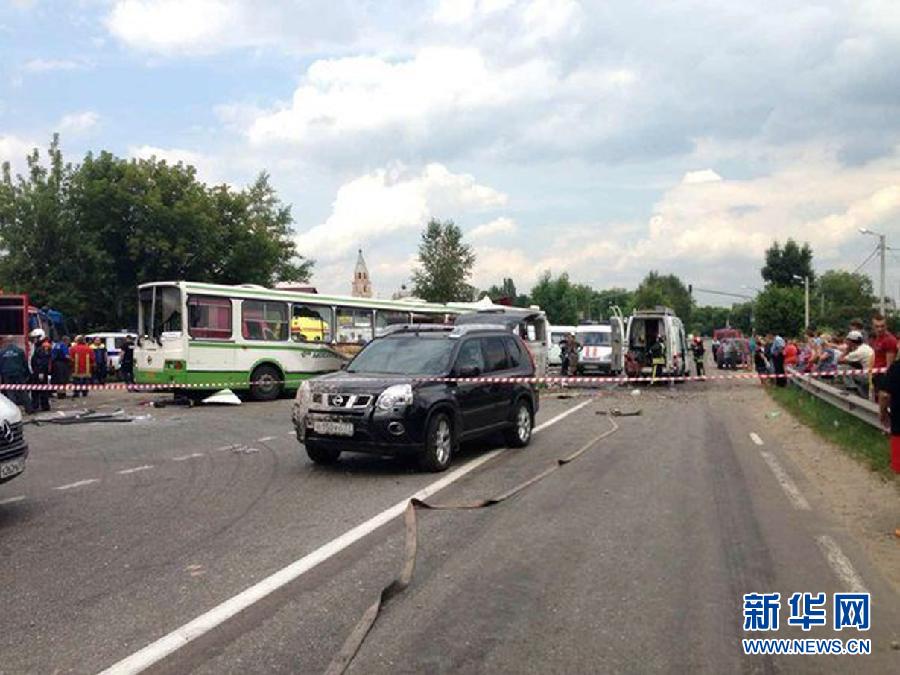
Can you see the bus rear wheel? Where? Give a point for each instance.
(266, 384)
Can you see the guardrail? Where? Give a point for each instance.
(861, 408)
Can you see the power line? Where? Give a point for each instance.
(863, 263)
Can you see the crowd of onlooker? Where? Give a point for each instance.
(66, 362)
(849, 356)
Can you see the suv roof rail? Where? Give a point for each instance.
(418, 328)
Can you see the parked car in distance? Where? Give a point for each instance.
(13, 448)
(395, 398)
(733, 353)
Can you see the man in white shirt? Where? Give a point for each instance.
(860, 357)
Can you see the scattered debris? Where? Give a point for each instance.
(772, 415)
(225, 397)
(82, 417)
(616, 412)
(895, 645)
(565, 396)
(243, 450)
(836, 424)
(635, 392)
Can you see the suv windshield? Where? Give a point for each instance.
(407, 355)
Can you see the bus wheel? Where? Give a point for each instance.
(266, 384)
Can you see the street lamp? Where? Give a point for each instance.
(805, 280)
(881, 249)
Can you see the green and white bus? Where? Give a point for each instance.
(212, 336)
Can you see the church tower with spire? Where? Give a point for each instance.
(362, 286)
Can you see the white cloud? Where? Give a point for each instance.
(76, 123)
(462, 11)
(202, 27)
(164, 26)
(209, 169)
(701, 176)
(14, 149)
(497, 226)
(49, 65)
(408, 98)
(389, 202)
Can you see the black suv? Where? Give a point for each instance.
(395, 397)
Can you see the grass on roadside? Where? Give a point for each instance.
(857, 438)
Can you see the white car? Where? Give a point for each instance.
(114, 343)
(13, 448)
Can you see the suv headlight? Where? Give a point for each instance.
(395, 396)
(304, 394)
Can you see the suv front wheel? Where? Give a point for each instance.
(519, 435)
(438, 443)
(321, 455)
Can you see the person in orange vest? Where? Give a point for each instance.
(82, 362)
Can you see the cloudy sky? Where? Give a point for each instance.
(603, 139)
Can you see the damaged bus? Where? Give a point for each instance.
(248, 337)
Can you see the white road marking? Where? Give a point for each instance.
(841, 564)
(755, 438)
(124, 472)
(790, 488)
(226, 448)
(77, 484)
(266, 438)
(166, 645)
(187, 457)
(12, 500)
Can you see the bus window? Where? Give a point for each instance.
(385, 318)
(311, 323)
(264, 320)
(160, 310)
(168, 310)
(209, 317)
(432, 318)
(354, 326)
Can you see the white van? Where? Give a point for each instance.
(529, 323)
(644, 329)
(114, 343)
(596, 347)
(13, 448)
(557, 335)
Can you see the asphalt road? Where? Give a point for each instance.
(633, 558)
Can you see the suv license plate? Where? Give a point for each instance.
(333, 428)
(12, 468)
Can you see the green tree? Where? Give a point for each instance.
(505, 291)
(620, 297)
(784, 264)
(742, 317)
(445, 264)
(704, 320)
(557, 297)
(668, 290)
(841, 297)
(779, 309)
(82, 238)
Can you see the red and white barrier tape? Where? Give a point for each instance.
(574, 380)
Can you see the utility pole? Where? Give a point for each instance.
(806, 315)
(882, 250)
(806, 296)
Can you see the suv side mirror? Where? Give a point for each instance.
(469, 371)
